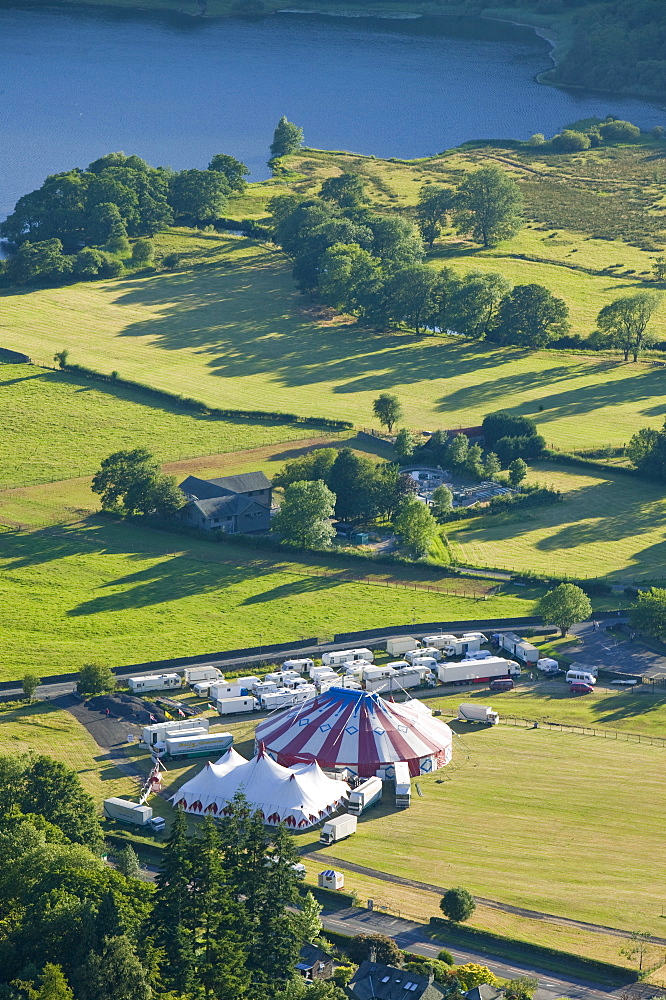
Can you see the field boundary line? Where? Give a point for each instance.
(563, 727)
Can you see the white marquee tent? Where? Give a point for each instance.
(301, 796)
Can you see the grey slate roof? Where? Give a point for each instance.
(225, 506)
(484, 992)
(310, 955)
(375, 981)
(206, 489)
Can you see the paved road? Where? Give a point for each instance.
(414, 937)
(603, 649)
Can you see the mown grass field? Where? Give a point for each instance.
(44, 728)
(610, 526)
(538, 819)
(57, 425)
(113, 592)
(236, 333)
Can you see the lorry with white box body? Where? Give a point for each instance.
(131, 812)
(196, 744)
(193, 675)
(520, 648)
(246, 682)
(237, 706)
(158, 732)
(478, 713)
(365, 795)
(403, 785)
(154, 682)
(400, 644)
(300, 666)
(337, 829)
(339, 656)
(477, 671)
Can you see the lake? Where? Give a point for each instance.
(174, 89)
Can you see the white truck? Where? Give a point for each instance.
(237, 706)
(157, 733)
(154, 682)
(403, 785)
(131, 812)
(398, 644)
(193, 675)
(365, 795)
(477, 713)
(520, 648)
(339, 656)
(470, 642)
(477, 671)
(337, 829)
(195, 744)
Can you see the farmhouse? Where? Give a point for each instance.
(231, 504)
(375, 981)
(314, 963)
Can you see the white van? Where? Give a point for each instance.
(580, 677)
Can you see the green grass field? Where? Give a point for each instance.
(238, 334)
(57, 425)
(43, 728)
(609, 526)
(108, 591)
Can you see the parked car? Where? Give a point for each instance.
(579, 688)
(501, 684)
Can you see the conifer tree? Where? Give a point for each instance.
(172, 920)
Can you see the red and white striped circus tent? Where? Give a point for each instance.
(360, 731)
(300, 797)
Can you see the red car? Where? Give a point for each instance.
(501, 684)
(579, 688)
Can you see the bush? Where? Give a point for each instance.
(445, 956)
(504, 424)
(94, 678)
(619, 131)
(510, 448)
(171, 261)
(570, 141)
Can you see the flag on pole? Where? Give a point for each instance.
(181, 713)
(152, 717)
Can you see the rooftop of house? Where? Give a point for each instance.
(224, 506)
(484, 992)
(375, 981)
(206, 489)
(310, 955)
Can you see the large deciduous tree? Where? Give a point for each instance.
(648, 614)
(457, 904)
(387, 409)
(488, 206)
(416, 526)
(132, 480)
(530, 316)
(199, 195)
(435, 203)
(304, 515)
(564, 606)
(623, 323)
(346, 190)
(234, 170)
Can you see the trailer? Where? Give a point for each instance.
(197, 744)
(365, 795)
(471, 642)
(131, 812)
(157, 733)
(403, 785)
(519, 648)
(416, 654)
(300, 666)
(400, 644)
(477, 671)
(337, 829)
(478, 713)
(439, 641)
(549, 666)
(228, 689)
(154, 682)
(193, 675)
(339, 656)
(236, 706)
(245, 683)
(286, 699)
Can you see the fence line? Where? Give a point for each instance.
(609, 734)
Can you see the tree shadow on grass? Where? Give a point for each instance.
(307, 585)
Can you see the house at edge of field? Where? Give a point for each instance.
(231, 504)
(313, 963)
(375, 981)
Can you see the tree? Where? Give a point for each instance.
(442, 502)
(647, 451)
(384, 948)
(409, 295)
(521, 988)
(530, 316)
(95, 678)
(564, 606)
(404, 444)
(30, 684)
(346, 190)
(416, 526)
(648, 614)
(54, 790)
(143, 252)
(172, 921)
(435, 202)
(60, 358)
(42, 262)
(471, 974)
(132, 480)
(309, 918)
(636, 949)
(517, 472)
(198, 195)
(116, 973)
(488, 205)
(617, 130)
(659, 268)
(350, 278)
(316, 464)
(303, 518)
(491, 466)
(457, 904)
(387, 409)
(127, 862)
(570, 141)
(352, 479)
(474, 303)
(624, 322)
(287, 138)
(474, 461)
(536, 140)
(234, 170)
(503, 423)
(53, 986)
(444, 955)
(457, 451)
